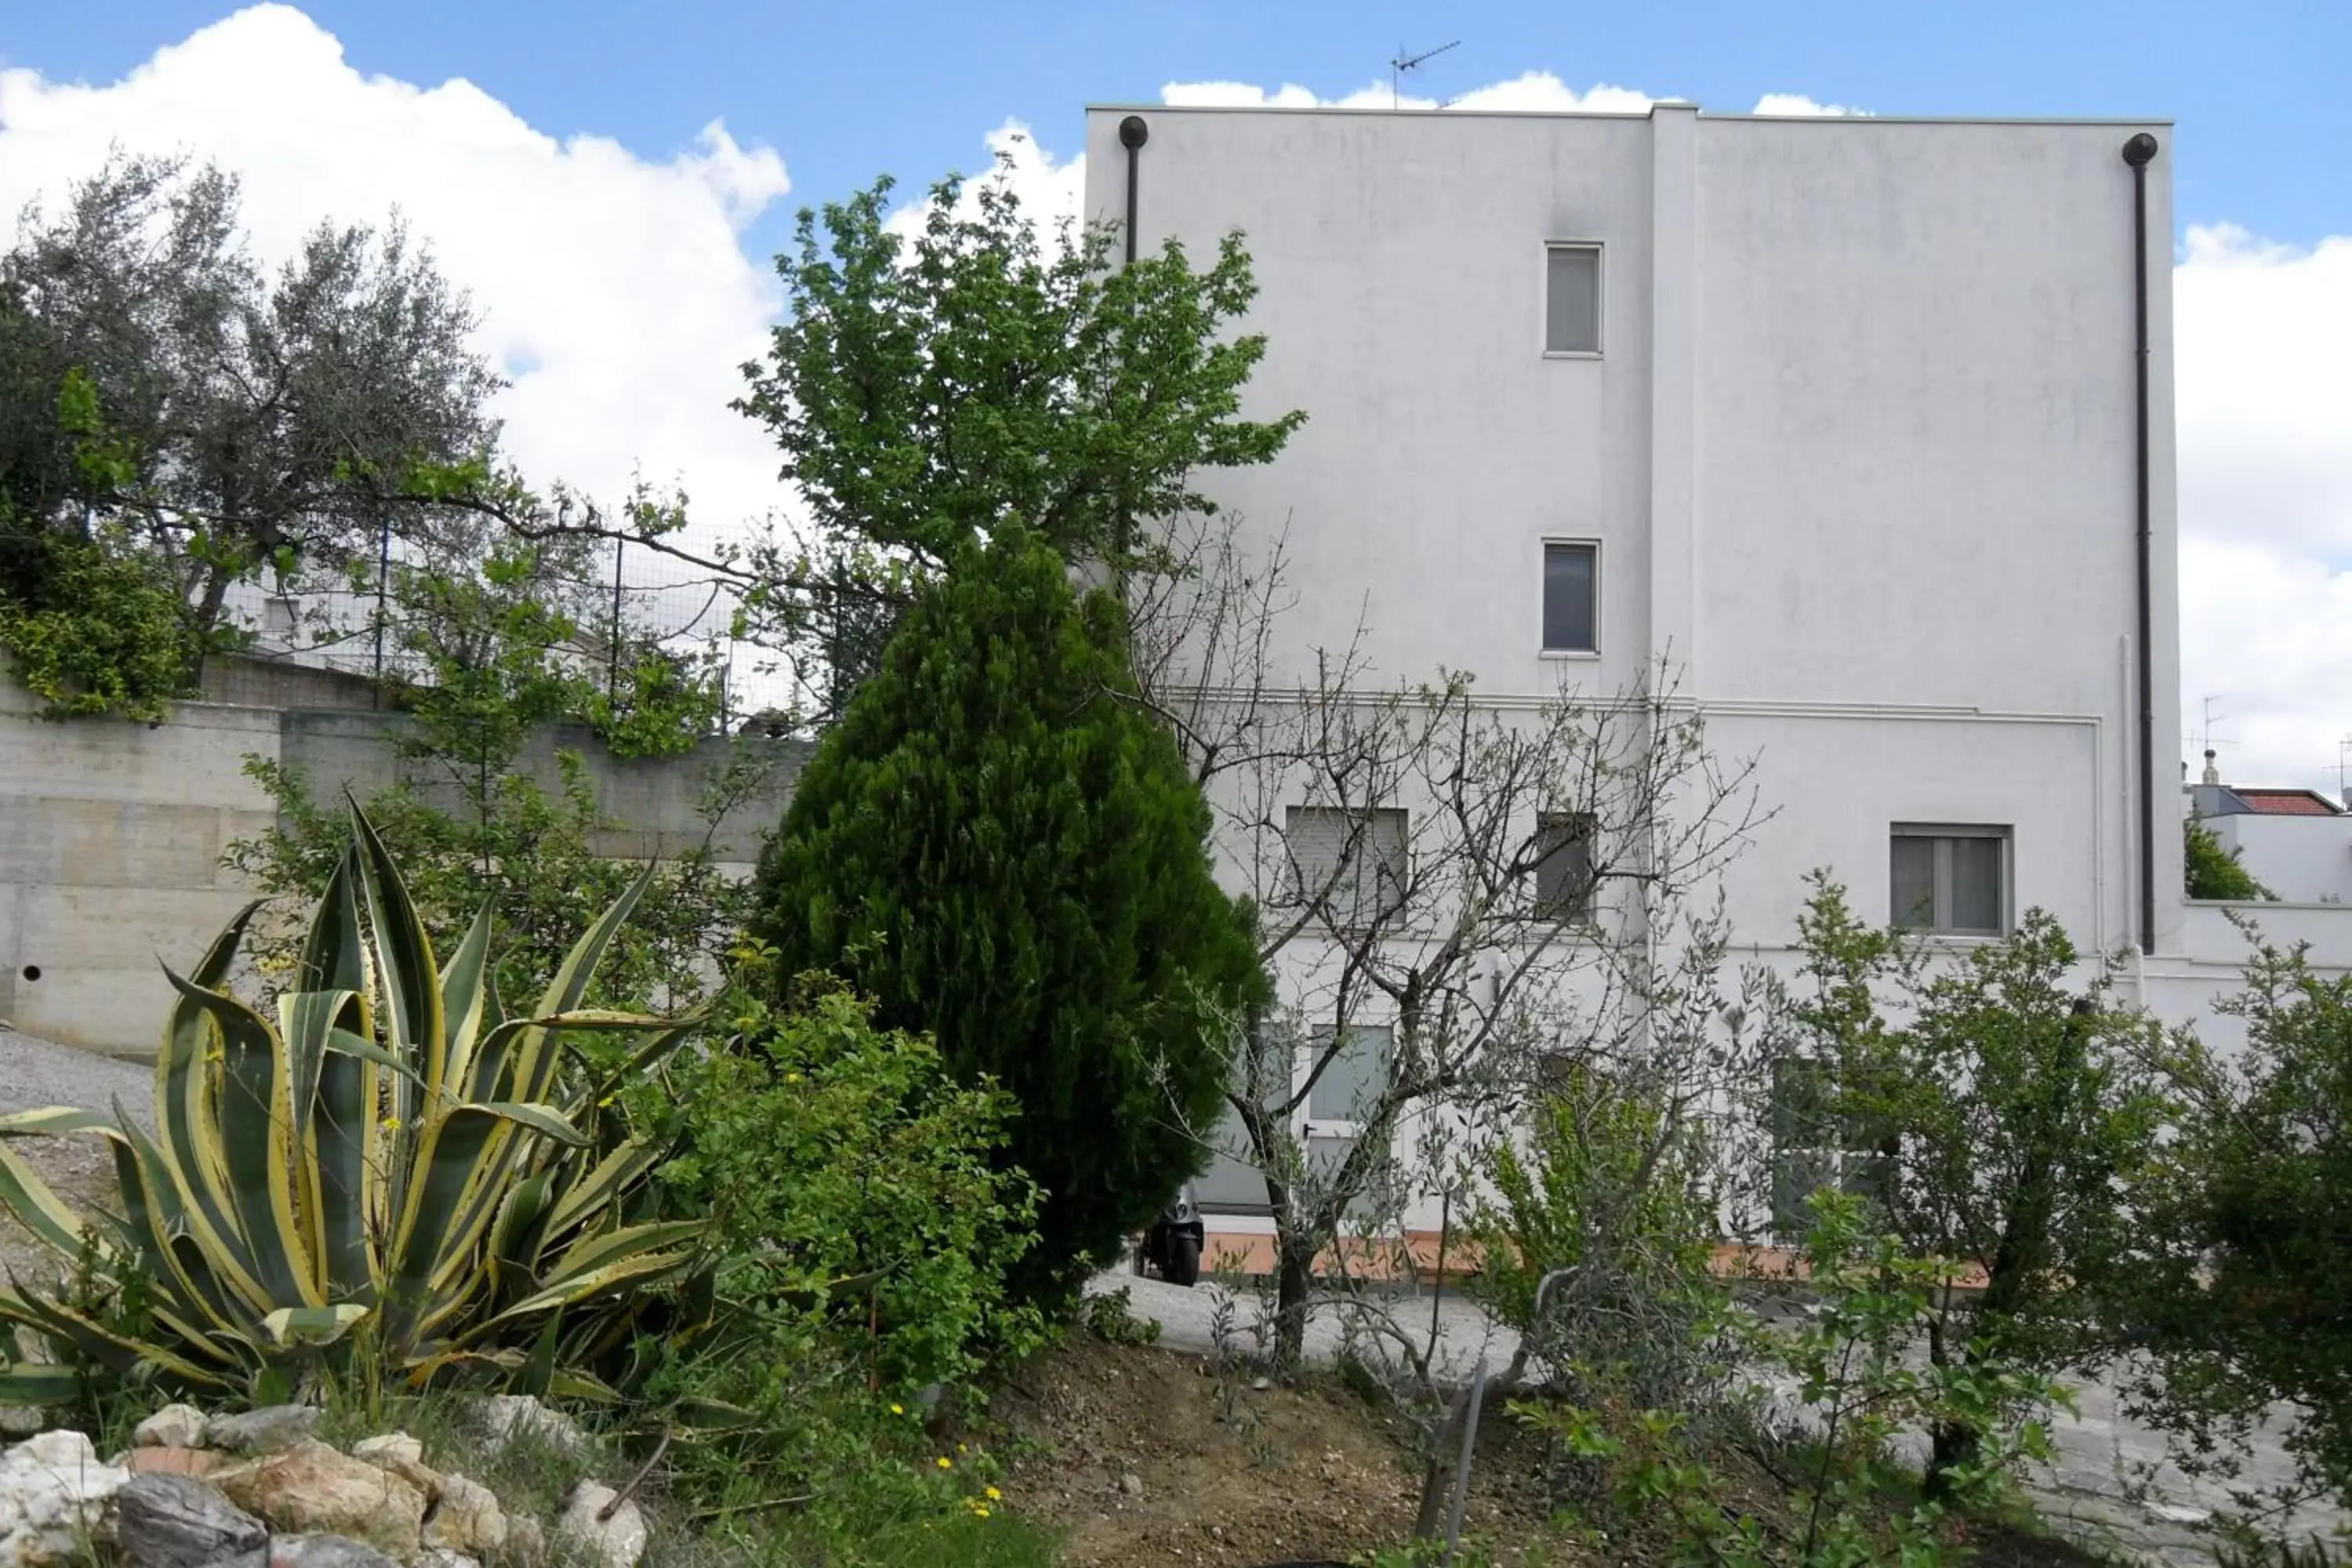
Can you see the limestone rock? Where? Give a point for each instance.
(172, 1521)
(22, 1420)
(53, 1499)
(525, 1542)
(172, 1461)
(442, 1557)
(265, 1430)
(310, 1488)
(468, 1519)
(508, 1415)
(173, 1426)
(617, 1541)
(324, 1551)
(390, 1448)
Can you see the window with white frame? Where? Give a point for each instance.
(1817, 1144)
(1572, 298)
(1949, 879)
(1564, 865)
(1348, 1087)
(1350, 864)
(1572, 598)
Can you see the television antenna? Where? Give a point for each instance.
(1402, 62)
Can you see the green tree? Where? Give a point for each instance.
(1003, 851)
(929, 385)
(488, 653)
(251, 422)
(2240, 1280)
(2214, 872)
(1999, 1123)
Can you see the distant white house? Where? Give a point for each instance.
(2295, 842)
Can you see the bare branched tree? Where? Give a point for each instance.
(1456, 897)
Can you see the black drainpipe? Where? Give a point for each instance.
(2137, 153)
(1132, 134)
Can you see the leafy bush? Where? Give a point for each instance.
(2240, 1280)
(393, 1180)
(824, 1150)
(1005, 853)
(92, 631)
(1850, 1498)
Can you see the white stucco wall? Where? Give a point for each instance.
(1859, 448)
(2302, 859)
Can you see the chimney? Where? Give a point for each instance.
(2212, 774)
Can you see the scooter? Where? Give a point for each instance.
(1172, 1245)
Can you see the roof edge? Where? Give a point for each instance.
(2090, 121)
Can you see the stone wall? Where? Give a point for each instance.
(111, 836)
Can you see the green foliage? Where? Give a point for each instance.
(492, 646)
(2214, 872)
(1850, 1501)
(926, 393)
(394, 1179)
(2000, 1122)
(823, 1148)
(1109, 1316)
(1612, 1189)
(91, 628)
(2239, 1283)
(1008, 857)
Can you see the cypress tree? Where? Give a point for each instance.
(1003, 849)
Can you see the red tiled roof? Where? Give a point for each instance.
(2287, 802)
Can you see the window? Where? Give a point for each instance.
(1351, 863)
(276, 614)
(1571, 299)
(1353, 1076)
(1950, 880)
(1564, 867)
(1816, 1145)
(1570, 607)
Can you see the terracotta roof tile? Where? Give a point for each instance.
(2287, 803)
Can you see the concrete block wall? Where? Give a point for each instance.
(112, 836)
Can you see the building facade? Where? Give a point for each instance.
(1842, 418)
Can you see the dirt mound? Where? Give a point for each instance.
(1147, 1456)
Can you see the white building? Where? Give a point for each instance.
(2297, 843)
(1845, 417)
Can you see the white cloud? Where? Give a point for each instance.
(1797, 106)
(1534, 92)
(2261, 331)
(615, 289)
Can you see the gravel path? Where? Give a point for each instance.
(34, 1073)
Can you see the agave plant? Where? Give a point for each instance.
(383, 1174)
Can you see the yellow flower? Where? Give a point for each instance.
(981, 1511)
(392, 1125)
(946, 1463)
(898, 1410)
(791, 1078)
(959, 1449)
(995, 1495)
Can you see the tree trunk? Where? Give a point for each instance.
(1294, 1283)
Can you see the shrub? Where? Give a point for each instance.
(395, 1180)
(1007, 853)
(2240, 1280)
(824, 1150)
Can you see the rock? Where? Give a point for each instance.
(173, 1426)
(313, 1490)
(391, 1451)
(23, 1420)
(1261, 1384)
(617, 1541)
(172, 1521)
(506, 1416)
(265, 1430)
(442, 1557)
(468, 1519)
(172, 1461)
(53, 1500)
(525, 1542)
(1130, 1485)
(324, 1551)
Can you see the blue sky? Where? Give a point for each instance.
(609, 184)
(847, 91)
